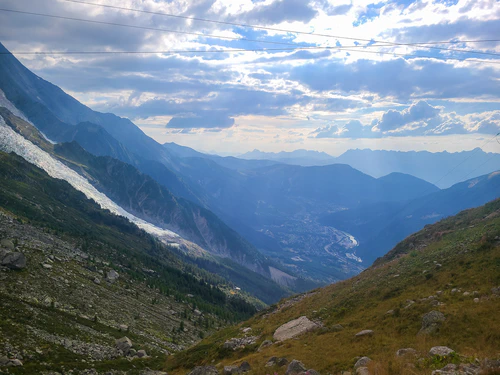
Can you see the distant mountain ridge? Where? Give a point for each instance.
(441, 168)
(300, 157)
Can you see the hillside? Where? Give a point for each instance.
(84, 272)
(451, 268)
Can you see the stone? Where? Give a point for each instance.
(246, 330)
(123, 327)
(476, 300)
(4, 361)
(282, 362)
(365, 332)
(442, 351)
(431, 322)
(362, 371)
(229, 370)
(204, 370)
(14, 261)
(245, 367)
(132, 352)
(337, 328)
(362, 362)
(271, 362)
(496, 290)
(265, 344)
(124, 344)
(112, 276)
(239, 343)
(142, 353)
(294, 328)
(47, 266)
(7, 244)
(466, 294)
(405, 352)
(295, 367)
(97, 280)
(14, 363)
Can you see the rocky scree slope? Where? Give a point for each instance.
(430, 306)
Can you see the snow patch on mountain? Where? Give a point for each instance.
(10, 141)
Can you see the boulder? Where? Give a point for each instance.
(5, 360)
(204, 370)
(295, 367)
(294, 328)
(112, 276)
(14, 260)
(282, 362)
(142, 353)
(124, 344)
(246, 330)
(14, 363)
(337, 328)
(431, 322)
(405, 352)
(362, 362)
(132, 352)
(366, 332)
(442, 351)
(123, 327)
(264, 345)
(239, 343)
(245, 367)
(7, 244)
(271, 362)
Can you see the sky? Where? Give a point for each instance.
(358, 80)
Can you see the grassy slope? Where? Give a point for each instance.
(466, 247)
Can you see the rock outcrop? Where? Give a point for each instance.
(431, 322)
(295, 367)
(294, 328)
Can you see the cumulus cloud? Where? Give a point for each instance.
(420, 111)
(280, 11)
(352, 129)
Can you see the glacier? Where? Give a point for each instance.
(10, 141)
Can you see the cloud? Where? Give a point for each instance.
(353, 129)
(280, 11)
(419, 111)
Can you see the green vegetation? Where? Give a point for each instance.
(54, 205)
(461, 252)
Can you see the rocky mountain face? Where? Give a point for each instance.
(428, 307)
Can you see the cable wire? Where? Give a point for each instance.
(384, 43)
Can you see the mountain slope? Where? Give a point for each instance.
(452, 268)
(443, 168)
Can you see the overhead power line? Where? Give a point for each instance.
(172, 52)
(269, 28)
(385, 44)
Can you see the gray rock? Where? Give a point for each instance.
(496, 290)
(362, 362)
(204, 370)
(271, 362)
(239, 343)
(123, 327)
(245, 367)
(295, 367)
(97, 280)
(265, 344)
(112, 276)
(431, 322)
(246, 330)
(124, 344)
(14, 363)
(7, 244)
(365, 332)
(14, 261)
(282, 362)
(142, 353)
(337, 328)
(132, 352)
(440, 350)
(5, 360)
(405, 352)
(294, 328)
(229, 370)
